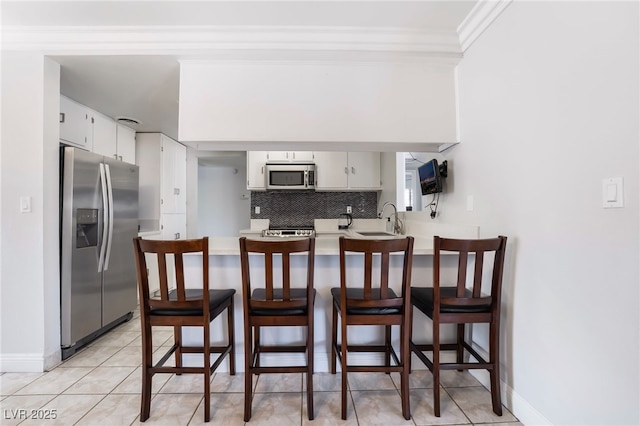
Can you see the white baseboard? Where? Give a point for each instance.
(519, 406)
(22, 363)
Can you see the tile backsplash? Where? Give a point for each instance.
(300, 208)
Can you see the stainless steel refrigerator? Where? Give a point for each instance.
(99, 219)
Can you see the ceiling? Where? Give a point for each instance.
(145, 86)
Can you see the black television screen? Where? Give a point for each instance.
(430, 179)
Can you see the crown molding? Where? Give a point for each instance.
(185, 40)
(479, 19)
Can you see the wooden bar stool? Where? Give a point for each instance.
(269, 304)
(366, 304)
(177, 308)
(461, 305)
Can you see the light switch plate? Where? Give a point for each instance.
(612, 193)
(25, 204)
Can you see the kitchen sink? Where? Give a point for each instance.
(375, 234)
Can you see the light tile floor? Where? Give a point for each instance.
(100, 385)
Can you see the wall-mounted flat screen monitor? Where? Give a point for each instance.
(430, 179)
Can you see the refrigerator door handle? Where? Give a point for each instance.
(105, 218)
(110, 196)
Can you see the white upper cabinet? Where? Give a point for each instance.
(256, 161)
(104, 136)
(331, 170)
(364, 170)
(126, 144)
(347, 171)
(88, 129)
(290, 156)
(75, 124)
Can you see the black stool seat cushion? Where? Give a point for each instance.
(216, 298)
(358, 293)
(296, 293)
(422, 298)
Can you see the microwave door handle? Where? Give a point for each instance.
(107, 257)
(105, 218)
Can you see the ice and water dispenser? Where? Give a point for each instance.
(87, 228)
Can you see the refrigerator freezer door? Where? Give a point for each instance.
(119, 276)
(81, 233)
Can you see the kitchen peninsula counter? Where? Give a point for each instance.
(225, 272)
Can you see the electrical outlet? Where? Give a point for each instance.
(257, 210)
(349, 209)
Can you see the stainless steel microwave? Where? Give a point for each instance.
(291, 176)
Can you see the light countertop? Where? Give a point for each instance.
(326, 245)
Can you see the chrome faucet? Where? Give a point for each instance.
(397, 224)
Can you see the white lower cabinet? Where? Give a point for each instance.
(347, 171)
(173, 226)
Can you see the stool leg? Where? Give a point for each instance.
(248, 374)
(460, 343)
(207, 372)
(495, 371)
(231, 338)
(387, 346)
(405, 355)
(334, 339)
(310, 360)
(177, 338)
(343, 365)
(147, 362)
(436, 370)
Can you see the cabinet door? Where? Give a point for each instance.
(104, 136)
(180, 177)
(75, 124)
(290, 156)
(364, 170)
(126, 144)
(149, 159)
(174, 176)
(255, 170)
(167, 177)
(331, 170)
(174, 226)
(282, 156)
(302, 156)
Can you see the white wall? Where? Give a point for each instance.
(549, 108)
(222, 212)
(30, 334)
(318, 101)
